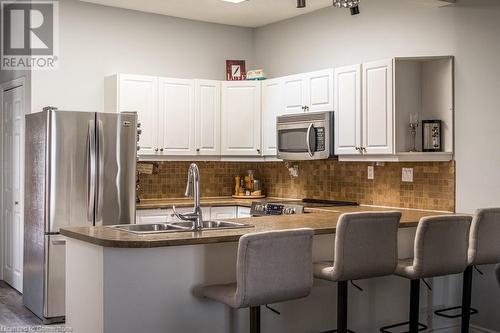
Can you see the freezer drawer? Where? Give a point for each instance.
(55, 285)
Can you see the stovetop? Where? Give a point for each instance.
(291, 207)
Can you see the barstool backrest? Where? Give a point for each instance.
(441, 245)
(484, 247)
(274, 267)
(366, 245)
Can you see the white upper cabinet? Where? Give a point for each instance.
(241, 118)
(272, 101)
(378, 126)
(374, 103)
(305, 92)
(294, 94)
(207, 123)
(136, 93)
(319, 92)
(348, 110)
(177, 115)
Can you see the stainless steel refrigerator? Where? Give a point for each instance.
(80, 171)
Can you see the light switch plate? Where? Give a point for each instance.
(371, 172)
(407, 175)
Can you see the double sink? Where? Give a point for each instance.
(186, 226)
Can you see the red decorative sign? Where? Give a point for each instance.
(235, 70)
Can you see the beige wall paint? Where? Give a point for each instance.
(469, 30)
(96, 41)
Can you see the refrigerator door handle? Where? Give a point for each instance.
(100, 171)
(91, 171)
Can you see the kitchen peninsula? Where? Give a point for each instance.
(148, 283)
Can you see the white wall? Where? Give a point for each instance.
(469, 30)
(96, 41)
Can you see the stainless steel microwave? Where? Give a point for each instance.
(305, 136)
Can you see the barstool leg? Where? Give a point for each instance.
(466, 299)
(414, 305)
(255, 319)
(342, 307)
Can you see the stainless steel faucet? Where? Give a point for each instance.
(193, 189)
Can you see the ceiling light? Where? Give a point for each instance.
(235, 1)
(301, 3)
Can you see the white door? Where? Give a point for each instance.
(13, 184)
(320, 90)
(219, 213)
(348, 110)
(241, 118)
(140, 94)
(378, 107)
(207, 123)
(176, 113)
(294, 94)
(272, 101)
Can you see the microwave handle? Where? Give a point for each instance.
(308, 139)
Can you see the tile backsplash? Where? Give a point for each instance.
(433, 185)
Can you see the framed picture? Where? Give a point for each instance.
(235, 70)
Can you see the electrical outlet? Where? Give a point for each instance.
(407, 175)
(371, 172)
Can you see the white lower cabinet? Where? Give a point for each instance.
(219, 213)
(149, 216)
(243, 212)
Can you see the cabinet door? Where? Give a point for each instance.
(347, 110)
(140, 94)
(272, 101)
(294, 94)
(243, 212)
(219, 213)
(207, 123)
(319, 92)
(150, 216)
(176, 110)
(240, 118)
(378, 107)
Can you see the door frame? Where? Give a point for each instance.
(21, 81)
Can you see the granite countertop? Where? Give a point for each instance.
(206, 201)
(322, 220)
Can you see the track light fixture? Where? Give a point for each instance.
(353, 5)
(301, 3)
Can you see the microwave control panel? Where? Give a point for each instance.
(320, 139)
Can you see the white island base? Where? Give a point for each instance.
(154, 290)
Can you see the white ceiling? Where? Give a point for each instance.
(251, 13)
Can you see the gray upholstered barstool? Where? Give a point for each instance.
(271, 267)
(441, 246)
(366, 246)
(484, 249)
(497, 271)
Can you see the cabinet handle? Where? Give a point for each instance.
(198, 150)
(161, 150)
(306, 108)
(364, 149)
(258, 150)
(156, 150)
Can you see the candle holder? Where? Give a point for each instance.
(413, 137)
